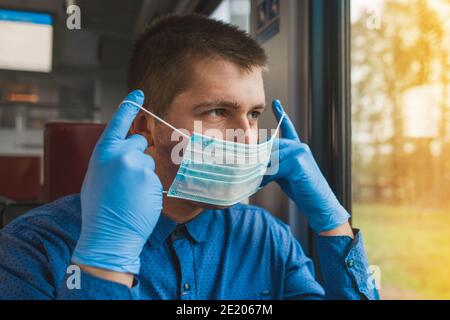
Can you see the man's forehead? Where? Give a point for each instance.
(221, 80)
(207, 66)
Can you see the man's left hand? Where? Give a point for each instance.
(300, 178)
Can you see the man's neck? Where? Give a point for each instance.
(179, 210)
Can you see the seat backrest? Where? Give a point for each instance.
(20, 177)
(67, 150)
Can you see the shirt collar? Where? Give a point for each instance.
(164, 227)
(197, 228)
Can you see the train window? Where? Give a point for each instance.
(236, 12)
(401, 142)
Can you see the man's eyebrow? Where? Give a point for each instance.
(218, 103)
(260, 106)
(225, 104)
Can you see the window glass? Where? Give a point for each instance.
(401, 142)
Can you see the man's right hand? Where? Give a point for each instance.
(121, 197)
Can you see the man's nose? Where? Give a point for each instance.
(246, 134)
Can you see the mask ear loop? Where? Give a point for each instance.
(158, 118)
(277, 130)
(279, 124)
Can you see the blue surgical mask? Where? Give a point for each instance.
(219, 172)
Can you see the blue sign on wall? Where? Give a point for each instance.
(267, 20)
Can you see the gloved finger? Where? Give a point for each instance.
(275, 168)
(276, 174)
(122, 119)
(287, 127)
(138, 141)
(150, 162)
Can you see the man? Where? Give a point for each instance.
(130, 240)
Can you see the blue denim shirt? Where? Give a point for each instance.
(239, 253)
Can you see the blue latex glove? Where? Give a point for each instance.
(300, 178)
(121, 197)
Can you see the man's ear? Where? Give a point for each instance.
(142, 125)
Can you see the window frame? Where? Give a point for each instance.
(330, 106)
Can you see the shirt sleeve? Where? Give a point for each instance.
(27, 272)
(344, 267)
(24, 272)
(94, 288)
(300, 282)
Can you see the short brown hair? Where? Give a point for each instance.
(163, 54)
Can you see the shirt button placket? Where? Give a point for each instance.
(184, 252)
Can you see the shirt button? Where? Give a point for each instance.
(350, 263)
(186, 286)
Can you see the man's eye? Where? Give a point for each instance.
(216, 113)
(254, 115)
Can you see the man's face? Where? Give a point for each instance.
(221, 97)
